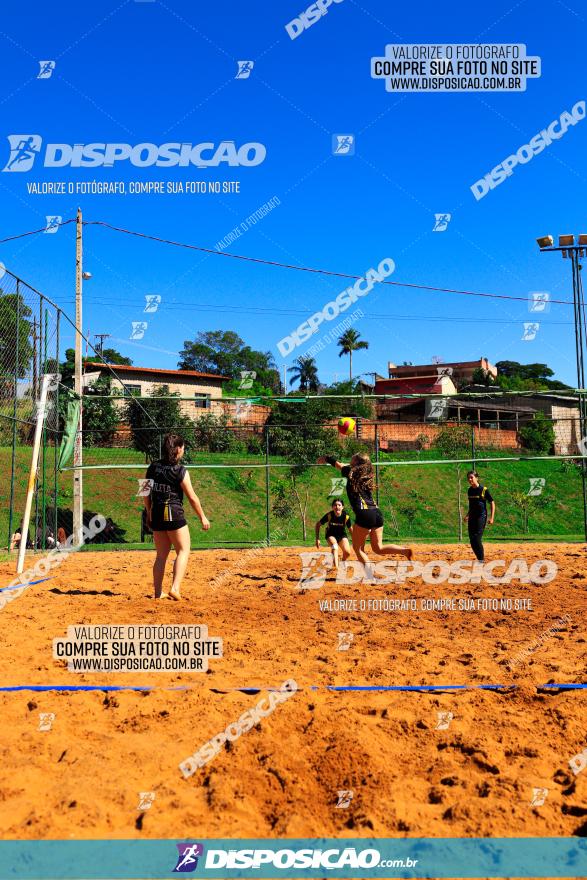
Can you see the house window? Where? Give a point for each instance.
(131, 390)
(202, 400)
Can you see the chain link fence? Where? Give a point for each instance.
(257, 477)
(253, 461)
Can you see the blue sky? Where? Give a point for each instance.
(155, 72)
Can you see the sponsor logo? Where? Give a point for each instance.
(152, 302)
(244, 69)
(539, 795)
(345, 797)
(331, 310)
(46, 69)
(441, 222)
(344, 641)
(46, 720)
(536, 145)
(306, 19)
(444, 719)
(187, 860)
(24, 149)
(146, 799)
(343, 145)
(53, 223)
(530, 331)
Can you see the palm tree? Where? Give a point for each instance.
(305, 372)
(349, 342)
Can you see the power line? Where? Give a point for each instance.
(308, 268)
(260, 310)
(34, 231)
(277, 264)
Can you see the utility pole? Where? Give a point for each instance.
(285, 379)
(78, 492)
(101, 337)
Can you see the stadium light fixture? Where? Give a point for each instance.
(545, 241)
(565, 242)
(574, 252)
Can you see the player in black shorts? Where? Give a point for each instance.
(168, 479)
(476, 518)
(368, 517)
(337, 521)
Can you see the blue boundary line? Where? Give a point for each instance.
(419, 688)
(26, 584)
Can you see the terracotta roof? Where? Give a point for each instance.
(124, 368)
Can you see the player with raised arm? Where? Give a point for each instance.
(368, 517)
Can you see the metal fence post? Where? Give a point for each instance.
(267, 485)
(377, 464)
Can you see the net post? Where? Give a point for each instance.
(78, 497)
(33, 472)
(55, 437)
(14, 413)
(267, 485)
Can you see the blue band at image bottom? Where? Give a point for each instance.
(290, 858)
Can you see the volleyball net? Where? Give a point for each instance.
(253, 462)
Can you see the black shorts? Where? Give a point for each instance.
(370, 518)
(167, 517)
(167, 526)
(339, 535)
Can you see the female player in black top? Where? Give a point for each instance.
(337, 521)
(476, 518)
(168, 480)
(368, 517)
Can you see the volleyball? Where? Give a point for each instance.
(346, 426)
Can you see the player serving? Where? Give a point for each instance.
(368, 517)
(337, 521)
(169, 480)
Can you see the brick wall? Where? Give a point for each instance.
(404, 435)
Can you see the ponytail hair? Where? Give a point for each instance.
(172, 443)
(361, 474)
(472, 474)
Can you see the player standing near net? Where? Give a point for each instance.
(476, 518)
(368, 517)
(337, 521)
(169, 480)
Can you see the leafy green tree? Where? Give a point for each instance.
(151, 417)
(100, 415)
(111, 356)
(67, 367)
(527, 505)
(483, 377)
(365, 408)
(305, 371)
(348, 342)
(213, 434)
(224, 353)
(14, 313)
(513, 376)
(538, 435)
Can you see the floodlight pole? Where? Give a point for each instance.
(78, 492)
(575, 252)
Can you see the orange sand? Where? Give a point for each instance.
(82, 778)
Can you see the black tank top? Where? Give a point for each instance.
(166, 485)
